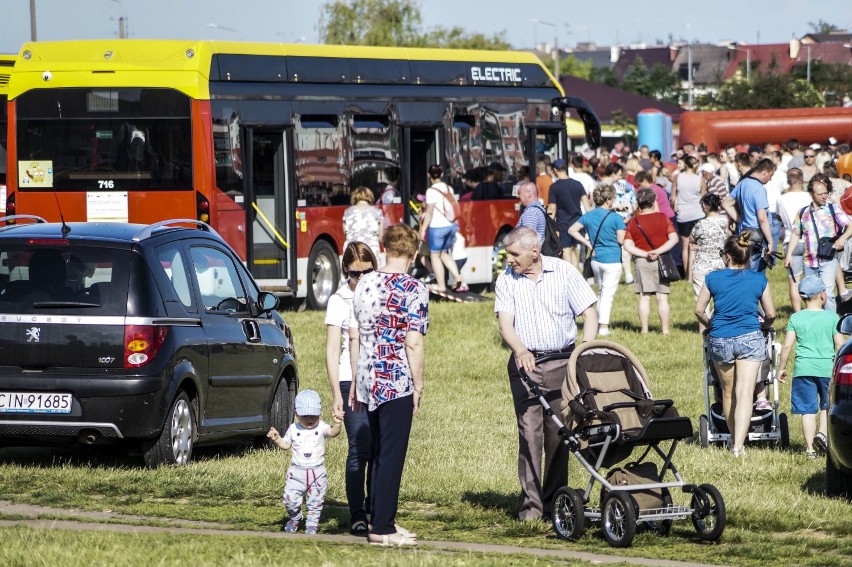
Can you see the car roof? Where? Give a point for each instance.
(104, 231)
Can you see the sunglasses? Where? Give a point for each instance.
(355, 274)
(810, 155)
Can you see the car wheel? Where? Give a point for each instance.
(838, 484)
(569, 518)
(703, 431)
(709, 515)
(281, 411)
(618, 518)
(784, 430)
(323, 274)
(176, 440)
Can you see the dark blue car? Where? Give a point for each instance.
(152, 337)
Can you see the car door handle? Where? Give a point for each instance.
(252, 330)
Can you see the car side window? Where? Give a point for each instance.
(251, 286)
(217, 280)
(170, 259)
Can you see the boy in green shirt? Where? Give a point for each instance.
(813, 332)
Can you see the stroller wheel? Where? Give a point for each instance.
(703, 431)
(618, 518)
(569, 520)
(708, 514)
(784, 430)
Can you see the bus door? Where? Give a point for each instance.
(271, 250)
(547, 140)
(422, 150)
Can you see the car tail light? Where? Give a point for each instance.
(202, 207)
(141, 343)
(843, 370)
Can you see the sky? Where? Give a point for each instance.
(296, 21)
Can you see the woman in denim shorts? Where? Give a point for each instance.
(737, 345)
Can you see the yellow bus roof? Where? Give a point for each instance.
(168, 63)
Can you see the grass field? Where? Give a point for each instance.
(460, 480)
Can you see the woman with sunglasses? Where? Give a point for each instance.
(735, 336)
(390, 315)
(358, 260)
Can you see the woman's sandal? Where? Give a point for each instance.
(391, 540)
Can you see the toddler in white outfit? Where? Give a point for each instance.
(306, 477)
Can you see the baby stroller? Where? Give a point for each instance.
(609, 412)
(766, 425)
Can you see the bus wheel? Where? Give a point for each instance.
(323, 274)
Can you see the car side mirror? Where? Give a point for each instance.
(267, 301)
(845, 324)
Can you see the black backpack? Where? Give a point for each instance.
(552, 245)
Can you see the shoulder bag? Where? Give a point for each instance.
(587, 263)
(825, 244)
(666, 264)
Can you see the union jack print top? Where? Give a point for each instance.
(386, 307)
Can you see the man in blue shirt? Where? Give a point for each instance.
(533, 213)
(749, 206)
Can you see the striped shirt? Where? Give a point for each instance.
(533, 217)
(544, 309)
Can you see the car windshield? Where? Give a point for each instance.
(73, 279)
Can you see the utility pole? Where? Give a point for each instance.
(33, 35)
(689, 71)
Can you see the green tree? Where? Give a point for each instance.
(765, 90)
(570, 65)
(833, 80)
(603, 76)
(622, 121)
(821, 27)
(659, 82)
(394, 23)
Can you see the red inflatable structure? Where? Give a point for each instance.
(720, 129)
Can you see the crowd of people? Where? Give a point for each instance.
(723, 216)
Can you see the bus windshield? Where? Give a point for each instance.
(105, 138)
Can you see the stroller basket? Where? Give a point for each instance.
(607, 412)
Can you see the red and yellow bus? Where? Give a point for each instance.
(266, 141)
(6, 64)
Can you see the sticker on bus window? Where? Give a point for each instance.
(106, 206)
(33, 174)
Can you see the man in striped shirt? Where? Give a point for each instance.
(537, 300)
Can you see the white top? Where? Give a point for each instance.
(435, 196)
(774, 187)
(544, 309)
(307, 445)
(789, 206)
(338, 314)
(586, 181)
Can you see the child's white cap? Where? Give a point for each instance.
(308, 403)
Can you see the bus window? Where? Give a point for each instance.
(322, 161)
(228, 154)
(96, 139)
(375, 147)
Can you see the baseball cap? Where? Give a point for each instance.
(815, 146)
(560, 164)
(308, 403)
(706, 167)
(810, 286)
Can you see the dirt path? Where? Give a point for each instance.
(97, 521)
